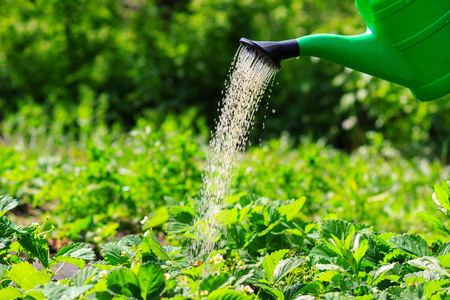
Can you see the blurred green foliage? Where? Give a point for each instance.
(71, 66)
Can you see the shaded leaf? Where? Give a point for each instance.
(285, 266)
(151, 281)
(81, 277)
(124, 282)
(381, 271)
(443, 249)
(412, 244)
(338, 228)
(36, 247)
(112, 253)
(213, 282)
(55, 291)
(271, 261)
(77, 250)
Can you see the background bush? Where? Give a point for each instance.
(71, 66)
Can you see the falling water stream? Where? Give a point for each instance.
(249, 76)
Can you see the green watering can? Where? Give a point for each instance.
(407, 42)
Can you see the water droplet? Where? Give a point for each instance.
(273, 111)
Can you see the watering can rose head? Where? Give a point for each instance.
(406, 42)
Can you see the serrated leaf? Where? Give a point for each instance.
(151, 281)
(335, 296)
(338, 228)
(225, 294)
(27, 277)
(433, 286)
(10, 293)
(7, 203)
(443, 249)
(124, 282)
(429, 263)
(36, 247)
(291, 291)
(55, 291)
(272, 291)
(321, 252)
(285, 266)
(213, 282)
(153, 244)
(112, 253)
(412, 244)
(270, 262)
(330, 267)
(326, 276)
(82, 276)
(414, 292)
(77, 250)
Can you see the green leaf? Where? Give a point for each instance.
(429, 263)
(433, 220)
(433, 286)
(159, 217)
(75, 254)
(381, 271)
(442, 195)
(291, 210)
(338, 228)
(112, 252)
(443, 249)
(285, 266)
(213, 282)
(225, 294)
(271, 261)
(10, 293)
(6, 204)
(77, 250)
(412, 244)
(27, 277)
(326, 276)
(152, 242)
(151, 281)
(55, 291)
(36, 247)
(335, 296)
(65, 259)
(124, 282)
(272, 291)
(83, 276)
(359, 253)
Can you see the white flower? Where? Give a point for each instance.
(167, 276)
(146, 233)
(144, 220)
(102, 273)
(244, 289)
(204, 293)
(218, 259)
(123, 253)
(35, 224)
(125, 188)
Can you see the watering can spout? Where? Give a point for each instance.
(274, 51)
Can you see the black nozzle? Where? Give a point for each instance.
(276, 51)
